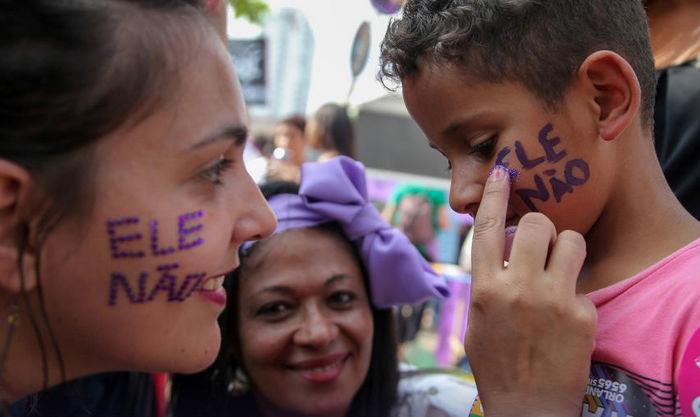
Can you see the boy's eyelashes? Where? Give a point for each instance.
(485, 148)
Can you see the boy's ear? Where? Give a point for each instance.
(615, 91)
(15, 183)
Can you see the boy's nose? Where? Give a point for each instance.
(465, 194)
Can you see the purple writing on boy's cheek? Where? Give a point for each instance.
(576, 171)
(500, 161)
(539, 193)
(523, 159)
(569, 172)
(549, 144)
(500, 158)
(559, 188)
(115, 240)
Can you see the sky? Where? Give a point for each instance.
(333, 23)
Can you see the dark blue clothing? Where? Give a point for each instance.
(677, 131)
(103, 395)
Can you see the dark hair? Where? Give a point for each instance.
(539, 43)
(298, 121)
(206, 393)
(71, 72)
(338, 131)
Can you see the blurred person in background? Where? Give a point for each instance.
(289, 151)
(330, 133)
(674, 26)
(310, 328)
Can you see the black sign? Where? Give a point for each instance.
(249, 58)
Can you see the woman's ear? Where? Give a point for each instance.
(15, 183)
(614, 91)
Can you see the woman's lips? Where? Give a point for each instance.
(321, 370)
(213, 291)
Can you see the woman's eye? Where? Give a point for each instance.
(214, 173)
(342, 298)
(274, 310)
(485, 148)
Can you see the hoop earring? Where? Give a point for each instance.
(12, 320)
(240, 385)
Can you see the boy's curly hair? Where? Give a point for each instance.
(539, 43)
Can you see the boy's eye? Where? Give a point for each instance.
(274, 310)
(342, 299)
(485, 148)
(214, 173)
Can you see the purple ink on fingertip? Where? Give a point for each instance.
(512, 172)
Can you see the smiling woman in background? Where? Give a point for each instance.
(311, 331)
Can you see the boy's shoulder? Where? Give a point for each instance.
(672, 279)
(682, 265)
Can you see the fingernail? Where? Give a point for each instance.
(498, 173)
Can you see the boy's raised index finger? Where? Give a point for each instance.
(489, 225)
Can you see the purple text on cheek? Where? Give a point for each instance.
(576, 171)
(156, 250)
(183, 231)
(115, 240)
(187, 238)
(138, 291)
(549, 144)
(166, 283)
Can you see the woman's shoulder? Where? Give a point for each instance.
(435, 393)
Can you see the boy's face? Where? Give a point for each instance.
(557, 156)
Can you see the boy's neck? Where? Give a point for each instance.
(675, 31)
(642, 222)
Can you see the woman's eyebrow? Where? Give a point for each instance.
(335, 278)
(236, 132)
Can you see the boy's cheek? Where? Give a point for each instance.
(543, 171)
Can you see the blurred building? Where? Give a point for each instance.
(388, 139)
(274, 66)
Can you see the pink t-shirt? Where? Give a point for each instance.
(644, 327)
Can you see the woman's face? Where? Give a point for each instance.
(290, 138)
(137, 283)
(306, 327)
(314, 135)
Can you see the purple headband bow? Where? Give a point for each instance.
(336, 190)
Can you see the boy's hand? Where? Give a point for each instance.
(530, 336)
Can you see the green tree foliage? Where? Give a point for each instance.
(253, 10)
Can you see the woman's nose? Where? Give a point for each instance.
(257, 220)
(317, 330)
